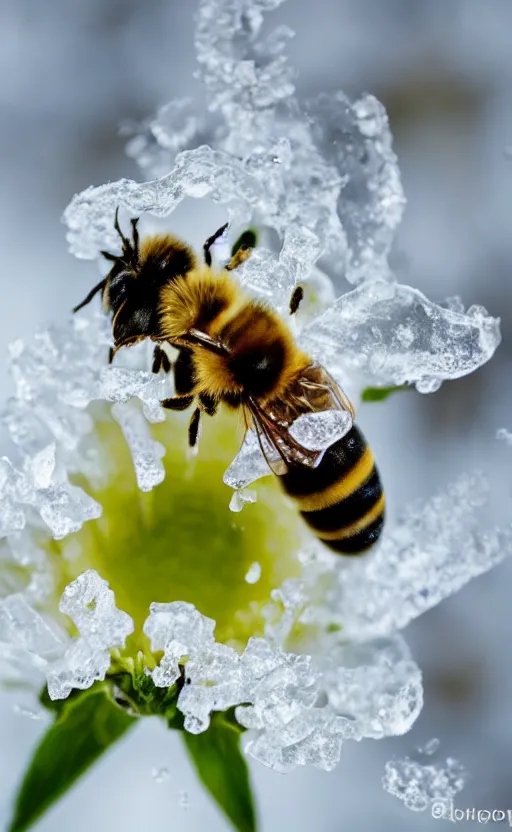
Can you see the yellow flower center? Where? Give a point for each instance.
(181, 541)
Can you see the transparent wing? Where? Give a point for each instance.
(315, 392)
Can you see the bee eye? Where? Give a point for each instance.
(118, 289)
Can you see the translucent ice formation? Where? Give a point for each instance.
(91, 605)
(419, 784)
(318, 431)
(394, 335)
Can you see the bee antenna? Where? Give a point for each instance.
(135, 234)
(99, 286)
(126, 242)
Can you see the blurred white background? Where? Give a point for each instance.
(71, 73)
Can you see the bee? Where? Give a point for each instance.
(237, 351)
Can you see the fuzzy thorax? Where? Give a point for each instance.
(262, 358)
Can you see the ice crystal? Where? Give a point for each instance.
(146, 453)
(62, 506)
(240, 498)
(394, 335)
(248, 465)
(430, 553)
(27, 639)
(90, 604)
(300, 709)
(317, 431)
(419, 784)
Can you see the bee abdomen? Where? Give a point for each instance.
(342, 499)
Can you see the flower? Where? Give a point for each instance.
(170, 604)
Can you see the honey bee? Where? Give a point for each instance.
(237, 351)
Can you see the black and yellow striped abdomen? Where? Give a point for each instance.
(342, 499)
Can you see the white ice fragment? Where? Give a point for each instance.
(66, 508)
(276, 277)
(146, 452)
(160, 774)
(240, 498)
(431, 552)
(118, 384)
(253, 573)
(376, 684)
(356, 139)
(42, 466)
(318, 431)
(394, 334)
(298, 707)
(90, 604)
(430, 747)
(29, 713)
(198, 173)
(24, 628)
(505, 435)
(184, 801)
(419, 785)
(248, 465)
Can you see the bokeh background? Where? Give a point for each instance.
(71, 73)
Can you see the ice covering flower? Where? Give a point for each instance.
(170, 603)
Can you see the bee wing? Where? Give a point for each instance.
(314, 391)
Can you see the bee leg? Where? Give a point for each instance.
(193, 427)
(208, 404)
(241, 249)
(184, 373)
(239, 257)
(177, 402)
(111, 353)
(296, 299)
(209, 243)
(160, 361)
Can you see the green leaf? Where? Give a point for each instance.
(85, 726)
(221, 766)
(379, 394)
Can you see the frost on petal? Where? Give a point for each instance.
(418, 784)
(63, 507)
(146, 452)
(394, 335)
(432, 551)
(198, 173)
(90, 604)
(299, 708)
(23, 627)
(28, 641)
